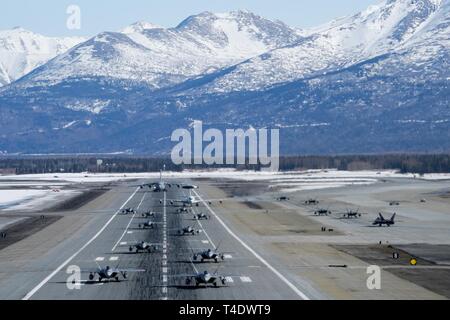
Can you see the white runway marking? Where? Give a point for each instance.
(123, 243)
(229, 279)
(129, 232)
(227, 256)
(246, 279)
(113, 258)
(165, 279)
(164, 270)
(268, 265)
(100, 259)
(205, 241)
(65, 263)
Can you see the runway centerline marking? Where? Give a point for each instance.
(100, 259)
(246, 279)
(245, 245)
(65, 263)
(164, 261)
(129, 224)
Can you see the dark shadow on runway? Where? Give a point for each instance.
(194, 287)
(93, 282)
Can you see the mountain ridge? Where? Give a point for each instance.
(326, 92)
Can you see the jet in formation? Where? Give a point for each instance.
(209, 255)
(380, 221)
(110, 273)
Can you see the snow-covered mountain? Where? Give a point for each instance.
(139, 27)
(383, 28)
(161, 57)
(21, 51)
(373, 82)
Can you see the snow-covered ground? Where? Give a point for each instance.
(290, 176)
(23, 199)
(28, 199)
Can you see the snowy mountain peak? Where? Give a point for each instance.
(139, 27)
(161, 57)
(383, 28)
(22, 50)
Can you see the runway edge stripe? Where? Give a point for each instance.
(267, 264)
(50, 276)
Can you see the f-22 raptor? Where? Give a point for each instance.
(380, 221)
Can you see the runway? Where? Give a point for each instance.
(274, 250)
(104, 241)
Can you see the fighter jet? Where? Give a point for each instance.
(109, 273)
(143, 247)
(184, 210)
(322, 212)
(188, 230)
(205, 278)
(208, 255)
(147, 225)
(186, 202)
(191, 201)
(311, 202)
(128, 210)
(380, 221)
(148, 214)
(201, 216)
(349, 214)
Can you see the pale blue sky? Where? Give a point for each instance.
(49, 16)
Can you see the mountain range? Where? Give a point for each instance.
(369, 83)
(22, 51)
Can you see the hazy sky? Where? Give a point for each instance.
(49, 16)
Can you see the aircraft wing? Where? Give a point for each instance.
(134, 243)
(90, 270)
(188, 186)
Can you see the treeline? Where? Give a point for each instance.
(419, 164)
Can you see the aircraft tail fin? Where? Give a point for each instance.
(393, 217)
